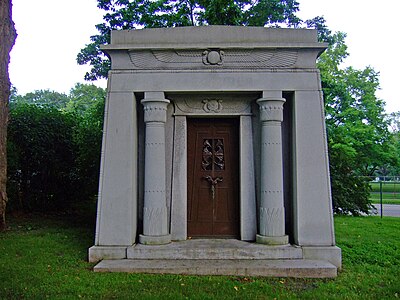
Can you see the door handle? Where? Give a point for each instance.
(213, 182)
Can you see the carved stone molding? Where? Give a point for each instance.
(155, 110)
(212, 57)
(235, 104)
(272, 217)
(206, 59)
(212, 105)
(271, 109)
(152, 217)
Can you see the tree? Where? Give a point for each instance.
(42, 98)
(87, 139)
(7, 38)
(54, 149)
(132, 14)
(84, 97)
(41, 158)
(394, 121)
(358, 137)
(355, 117)
(87, 104)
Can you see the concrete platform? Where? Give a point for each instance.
(223, 257)
(213, 249)
(241, 267)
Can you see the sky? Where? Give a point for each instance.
(52, 32)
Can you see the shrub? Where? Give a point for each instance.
(40, 158)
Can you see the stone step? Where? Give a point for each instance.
(214, 249)
(239, 267)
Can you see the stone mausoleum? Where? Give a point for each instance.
(214, 156)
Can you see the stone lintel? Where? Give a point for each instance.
(271, 94)
(154, 96)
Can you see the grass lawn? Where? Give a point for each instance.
(46, 257)
(390, 192)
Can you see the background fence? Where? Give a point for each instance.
(385, 190)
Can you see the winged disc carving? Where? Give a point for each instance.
(231, 59)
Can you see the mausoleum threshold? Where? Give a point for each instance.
(219, 257)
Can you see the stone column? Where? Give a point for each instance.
(271, 209)
(155, 215)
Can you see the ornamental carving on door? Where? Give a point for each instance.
(213, 155)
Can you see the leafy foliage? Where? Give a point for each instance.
(133, 14)
(54, 150)
(40, 158)
(40, 98)
(350, 193)
(393, 169)
(87, 138)
(83, 97)
(358, 137)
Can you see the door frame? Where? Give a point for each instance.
(247, 197)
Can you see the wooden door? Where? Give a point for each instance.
(213, 171)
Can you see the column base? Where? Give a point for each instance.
(154, 239)
(272, 240)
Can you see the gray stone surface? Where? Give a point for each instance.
(117, 203)
(155, 211)
(179, 179)
(278, 268)
(221, 35)
(331, 254)
(214, 249)
(97, 253)
(226, 257)
(272, 210)
(248, 215)
(313, 215)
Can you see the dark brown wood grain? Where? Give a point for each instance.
(210, 216)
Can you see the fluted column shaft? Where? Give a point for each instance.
(271, 209)
(155, 214)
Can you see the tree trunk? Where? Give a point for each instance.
(7, 40)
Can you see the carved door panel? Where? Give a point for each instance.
(213, 170)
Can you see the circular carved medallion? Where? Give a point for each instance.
(212, 106)
(214, 57)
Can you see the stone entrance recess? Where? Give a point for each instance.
(214, 156)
